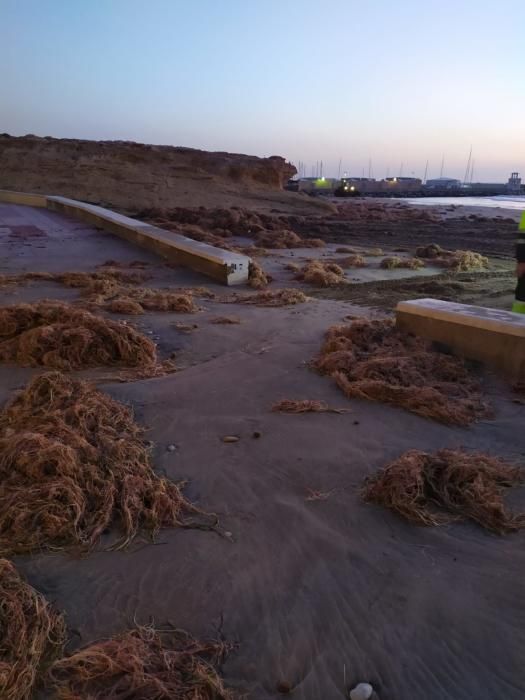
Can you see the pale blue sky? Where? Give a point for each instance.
(395, 81)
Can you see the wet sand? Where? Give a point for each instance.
(313, 592)
(450, 207)
(482, 234)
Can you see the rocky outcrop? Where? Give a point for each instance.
(130, 176)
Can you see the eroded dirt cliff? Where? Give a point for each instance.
(127, 175)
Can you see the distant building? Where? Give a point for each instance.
(514, 185)
(317, 185)
(358, 179)
(487, 188)
(403, 180)
(388, 187)
(443, 183)
(401, 185)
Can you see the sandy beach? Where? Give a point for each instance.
(262, 351)
(317, 592)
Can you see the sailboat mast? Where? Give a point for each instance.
(465, 179)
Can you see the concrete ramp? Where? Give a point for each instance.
(222, 265)
(492, 336)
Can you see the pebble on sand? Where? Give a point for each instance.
(362, 691)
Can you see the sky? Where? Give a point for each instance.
(383, 84)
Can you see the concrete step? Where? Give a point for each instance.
(222, 265)
(491, 336)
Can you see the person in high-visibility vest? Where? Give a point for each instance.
(519, 304)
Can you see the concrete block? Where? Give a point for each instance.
(491, 336)
(228, 268)
(222, 265)
(25, 198)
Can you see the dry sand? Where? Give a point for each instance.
(313, 591)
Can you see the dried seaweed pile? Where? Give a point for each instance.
(32, 635)
(139, 299)
(10, 280)
(252, 251)
(278, 239)
(143, 664)
(305, 406)
(292, 267)
(139, 664)
(373, 360)
(394, 262)
(454, 260)
(435, 489)
(216, 226)
(225, 321)
(321, 274)
(277, 297)
(373, 252)
(466, 261)
(72, 465)
(286, 239)
(105, 279)
(119, 292)
(102, 280)
(59, 336)
(137, 264)
(196, 233)
(257, 277)
(351, 261)
(124, 305)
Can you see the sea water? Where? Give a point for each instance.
(499, 201)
